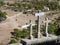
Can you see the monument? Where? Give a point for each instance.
(38, 15)
(33, 41)
(46, 24)
(31, 36)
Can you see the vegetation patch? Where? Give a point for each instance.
(2, 16)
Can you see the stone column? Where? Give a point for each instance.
(39, 27)
(46, 27)
(31, 36)
(39, 14)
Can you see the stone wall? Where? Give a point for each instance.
(15, 44)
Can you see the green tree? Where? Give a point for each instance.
(7, 3)
(2, 3)
(12, 41)
(2, 16)
(51, 28)
(30, 6)
(57, 24)
(25, 33)
(17, 34)
(24, 5)
(35, 27)
(52, 5)
(35, 30)
(18, 4)
(38, 5)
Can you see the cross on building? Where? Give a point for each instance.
(38, 15)
(31, 36)
(46, 24)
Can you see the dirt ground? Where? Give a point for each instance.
(7, 26)
(13, 21)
